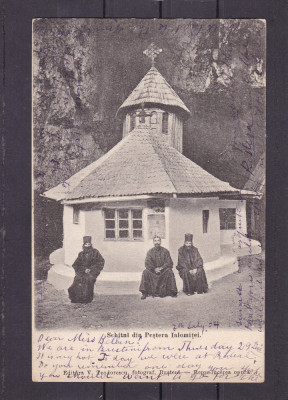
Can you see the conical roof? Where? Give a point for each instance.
(154, 88)
(141, 163)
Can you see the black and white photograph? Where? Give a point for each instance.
(149, 199)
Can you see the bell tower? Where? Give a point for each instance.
(154, 103)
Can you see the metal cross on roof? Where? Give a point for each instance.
(152, 52)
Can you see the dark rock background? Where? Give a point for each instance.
(83, 69)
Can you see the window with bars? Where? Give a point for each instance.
(76, 213)
(121, 224)
(227, 218)
(205, 218)
(165, 123)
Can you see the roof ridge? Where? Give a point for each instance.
(60, 189)
(160, 158)
(178, 154)
(105, 157)
(171, 149)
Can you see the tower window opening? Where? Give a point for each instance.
(154, 117)
(165, 123)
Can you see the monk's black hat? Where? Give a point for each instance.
(87, 239)
(188, 237)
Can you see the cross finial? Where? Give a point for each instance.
(152, 52)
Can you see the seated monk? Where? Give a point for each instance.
(190, 267)
(158, 279)
(88, 266)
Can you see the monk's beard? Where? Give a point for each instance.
(87, 249)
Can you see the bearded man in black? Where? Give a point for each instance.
(190, 267)
(158, 279)
(88, 266)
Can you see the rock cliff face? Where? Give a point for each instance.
(85, 68)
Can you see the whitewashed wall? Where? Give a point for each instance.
(122, 256)
(186, 217)
(182, 216)
(119, 255)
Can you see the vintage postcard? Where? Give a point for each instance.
(149, 200)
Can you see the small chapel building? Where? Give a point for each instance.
(146, 186)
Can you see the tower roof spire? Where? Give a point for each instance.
(152, 52)
(153, 89)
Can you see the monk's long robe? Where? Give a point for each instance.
(82, 289)
(190, 259)
(158, 284)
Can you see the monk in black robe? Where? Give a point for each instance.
(88, 266)
(190, 267)
(158, 279)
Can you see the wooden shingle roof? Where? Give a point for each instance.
(140, 164)
(154, 89)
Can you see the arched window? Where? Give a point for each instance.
(132, 122)
(154, 117)
(165, 123)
